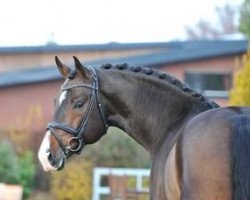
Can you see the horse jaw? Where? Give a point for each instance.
(43, 153)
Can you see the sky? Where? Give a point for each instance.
(35, 22)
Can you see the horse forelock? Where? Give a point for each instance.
(71, 77)
(72, 74)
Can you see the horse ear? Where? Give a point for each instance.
(63, 69)
(84, 71)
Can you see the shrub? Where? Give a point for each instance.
(16, 169)
(74, 182)
(116, 149)
(240, 94)
(9, 169)
(26, 172)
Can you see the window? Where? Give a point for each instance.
(214, 84)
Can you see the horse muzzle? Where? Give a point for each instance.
(47, 160)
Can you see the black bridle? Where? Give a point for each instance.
(79, 132)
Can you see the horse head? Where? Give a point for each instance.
(79, 118)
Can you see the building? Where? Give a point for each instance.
(29, 80)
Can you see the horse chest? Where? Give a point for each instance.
(171, 182)
(165, 183)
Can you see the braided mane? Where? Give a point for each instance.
(164, 77)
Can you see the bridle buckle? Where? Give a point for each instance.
(71, 146)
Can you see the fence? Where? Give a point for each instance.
(99, 190)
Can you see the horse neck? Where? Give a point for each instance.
(145, 107)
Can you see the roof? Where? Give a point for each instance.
(185, 51)
(173, 52)
(29, 76)
(93, 47)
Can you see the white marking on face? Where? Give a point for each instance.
(44, 152)
(62, 97)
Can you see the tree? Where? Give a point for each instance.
(240, 94)
(245, 18)
(204, 30)
(226, 16)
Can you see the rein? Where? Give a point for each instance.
(78, 133)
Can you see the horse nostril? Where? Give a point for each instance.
(51, 160)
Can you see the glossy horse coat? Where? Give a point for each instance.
(198, 150)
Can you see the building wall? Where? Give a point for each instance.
(27, 106)
(227, 64)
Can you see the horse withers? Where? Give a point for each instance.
(198, 150)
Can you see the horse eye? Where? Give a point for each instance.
(79, 104)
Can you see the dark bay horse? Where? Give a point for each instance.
(198, 150)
